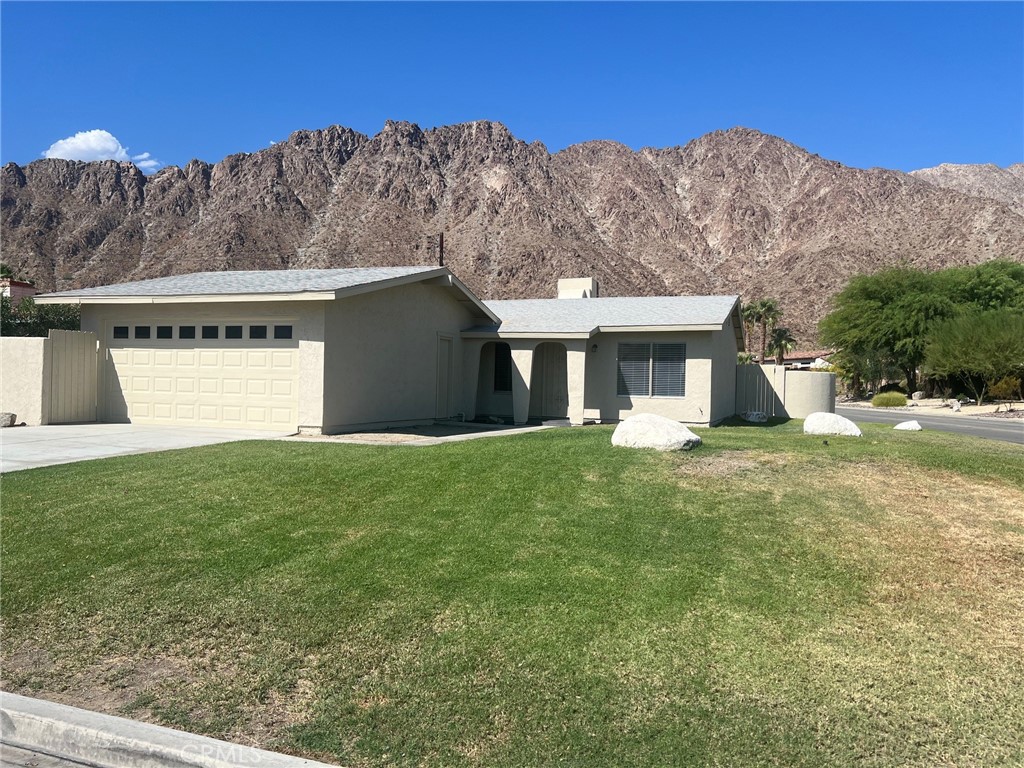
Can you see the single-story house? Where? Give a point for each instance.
(336, 350)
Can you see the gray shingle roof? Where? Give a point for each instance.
(586, 315)
(264, 281)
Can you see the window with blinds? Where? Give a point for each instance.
(647, 370)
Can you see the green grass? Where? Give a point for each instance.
(538, 599)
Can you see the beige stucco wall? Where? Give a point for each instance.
(25, 379)
(305, 317)
(723, 373)
(809, 392)
(603, 403)
(381, 356)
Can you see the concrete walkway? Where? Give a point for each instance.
(40, 733)
(30, 447)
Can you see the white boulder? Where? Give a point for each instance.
(908, 426)
(822, 423)
(754, 417)
(646, 430)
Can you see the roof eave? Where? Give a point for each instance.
(219, 298)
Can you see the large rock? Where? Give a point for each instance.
(8, 419)
(908, 426)
(646, 430)
(821, 423)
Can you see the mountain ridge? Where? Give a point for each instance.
(735, 211)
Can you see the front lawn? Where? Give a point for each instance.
(537, 599)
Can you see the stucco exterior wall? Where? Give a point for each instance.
(809, 392)
(601, 401)
(382, 356)
(25, 379)
(723, 373)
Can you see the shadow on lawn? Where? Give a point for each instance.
(736, 421)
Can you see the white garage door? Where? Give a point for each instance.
(240, 375)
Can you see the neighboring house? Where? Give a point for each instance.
(16, 290)
(817, 358)
(347, 349)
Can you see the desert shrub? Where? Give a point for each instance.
(889, 400)
(1007, 388)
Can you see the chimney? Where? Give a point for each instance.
(577, 288)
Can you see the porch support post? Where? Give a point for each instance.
(575, 368)
(522, 365)
(471, 349)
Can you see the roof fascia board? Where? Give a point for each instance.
(231, 298)
(522, 335)
(656, 328)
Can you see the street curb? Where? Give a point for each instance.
(115, 742)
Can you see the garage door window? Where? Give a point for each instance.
(282, 331)
(232, 331)
(211, 331)
(165, 331)
(186, 331)
(120, 331)
(142, 331)
(257, 331)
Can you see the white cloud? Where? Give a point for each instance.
(98, 145)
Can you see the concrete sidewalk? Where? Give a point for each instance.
(30, 447)
(58, 735)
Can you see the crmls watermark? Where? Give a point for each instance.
(232, 753)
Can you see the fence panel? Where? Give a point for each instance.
(72, 376)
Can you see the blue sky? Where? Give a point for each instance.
(897, 85)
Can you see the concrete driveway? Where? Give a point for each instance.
(30, 447)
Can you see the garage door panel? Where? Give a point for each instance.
(168, 383)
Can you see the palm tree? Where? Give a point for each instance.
(766, 314)
(749, 313)
(781, 343)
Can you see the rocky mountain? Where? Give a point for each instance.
(1003, 184)
(731, 212)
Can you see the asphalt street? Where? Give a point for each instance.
(1008, 430)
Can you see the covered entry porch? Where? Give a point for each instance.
(525, 379)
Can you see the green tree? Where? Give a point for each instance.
(31, 319)
(886, 317)
(781, 342)
(978, 347)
